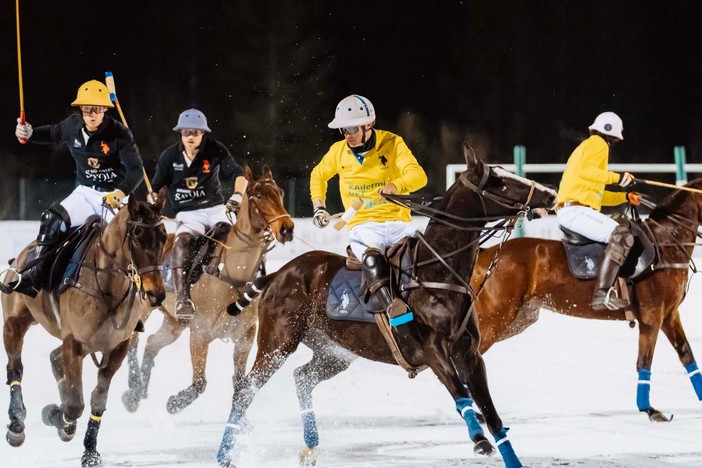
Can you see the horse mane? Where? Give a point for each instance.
(675, 201)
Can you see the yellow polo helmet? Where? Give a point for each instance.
(93, 93)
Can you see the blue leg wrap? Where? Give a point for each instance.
(695, 377)
(228, 438)
(401, 319)
(464, 406)
(309, 425)
(506, 450)
(643, 390)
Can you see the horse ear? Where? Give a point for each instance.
(266, 172)
(472, 159)
(132, 205)
(248, 173)
(162, 196)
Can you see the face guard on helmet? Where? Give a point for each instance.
(192, 119)
(608, 123)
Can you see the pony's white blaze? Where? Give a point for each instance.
(505, 173)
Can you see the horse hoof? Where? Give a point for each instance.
(657, 416)
(67, 432)
(308, 457)
(130, 400)
(91, 458)
(15, 439)
(483, 447)
(49, 413)
(173, 406)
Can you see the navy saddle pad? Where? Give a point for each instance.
(343, 301)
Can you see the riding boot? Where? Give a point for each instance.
(53, 221)
(181, 264)
(376, 273)
(218, 235)
(605, 295)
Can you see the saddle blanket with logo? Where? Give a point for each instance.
(343, 301)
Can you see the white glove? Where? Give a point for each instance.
(321, 217)
(626, 179)
(24, 130)
(234, 203)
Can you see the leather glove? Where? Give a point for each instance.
(234, 203)
(23, 131)
(626, 179)
(634, 198)
(321, 217)
(114, 199)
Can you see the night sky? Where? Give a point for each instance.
(269, 74)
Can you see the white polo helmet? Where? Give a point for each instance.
(352, 111)
(608, 123)
(192, 118)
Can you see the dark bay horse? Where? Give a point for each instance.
(533, 273)
(97, 315)
(262, 217)
(445, 332)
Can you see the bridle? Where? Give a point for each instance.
(267, 219)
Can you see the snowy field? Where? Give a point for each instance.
(566, 387)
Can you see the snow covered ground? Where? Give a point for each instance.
(566, 387)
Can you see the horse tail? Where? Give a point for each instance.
(254, 289)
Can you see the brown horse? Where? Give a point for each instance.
(292, 309)
(533, 273)
(97, 315)
(261, 218)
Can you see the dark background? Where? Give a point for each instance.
(268, 76)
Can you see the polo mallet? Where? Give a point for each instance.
(356, 205)
(663, 184)
(19, 71)
(110, 82)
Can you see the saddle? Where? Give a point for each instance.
(584, 255)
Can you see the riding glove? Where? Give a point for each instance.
(321, 217)
(234, 203)
(634, 198)
(626, 179)
(114, 199)
(23, 131)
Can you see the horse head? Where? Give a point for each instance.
(266, 207)
(501, 192)
(144, 242)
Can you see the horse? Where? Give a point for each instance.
(96, 315)
(262, 217)
(533, 273)
(445, 336)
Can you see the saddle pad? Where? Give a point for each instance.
(583, 259)
(343, 302)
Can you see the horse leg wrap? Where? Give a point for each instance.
(229, 438)
(91, 433)
(464, 406)
(643, 390)
(695, 377)
(506, 450)
(309, 425)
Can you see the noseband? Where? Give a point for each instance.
(268, 222)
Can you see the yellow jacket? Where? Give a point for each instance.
(389, 161)
(586, 175)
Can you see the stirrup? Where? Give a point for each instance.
(611, 301)
(9, 288)
(185, 310)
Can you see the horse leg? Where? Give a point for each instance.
(673, 329)
(323, 366)
(67, 365)
(648, 335)
(269, 358)
(242, 349)
(199, 347)
(169, 331)
(470, 364)
(14, 330)
(98, 403)
(136, 392)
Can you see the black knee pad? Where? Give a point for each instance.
(622, 236)
(375, 264)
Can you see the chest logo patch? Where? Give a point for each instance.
(191, 182)
(205, 166)
(383, 160)
(77, 143)
(104, 148)
(94, 163)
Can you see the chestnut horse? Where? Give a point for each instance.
(445, 336)
(97, 315)
(533, 273)
(261, 218)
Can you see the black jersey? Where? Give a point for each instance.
(107, 160)
(196, 186)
